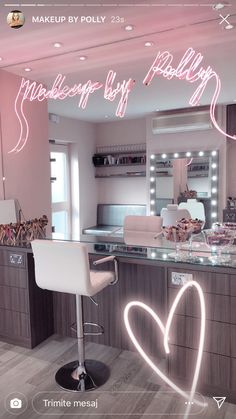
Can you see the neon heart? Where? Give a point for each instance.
(165, 331)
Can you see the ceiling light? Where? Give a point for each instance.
(1, 58)
(229, 26)
(28, 69)
(148, 44)
(129, 27)
(83, 58)
(57, 44)
(218, 6)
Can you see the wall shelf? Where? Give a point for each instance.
(119, 175)
(120, 164)
(197, 176)
(108, 158)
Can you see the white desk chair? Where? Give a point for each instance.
(63, 266)
(195, 208)
(172, 214)
(141, 230)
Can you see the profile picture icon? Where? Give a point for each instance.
(15, 19)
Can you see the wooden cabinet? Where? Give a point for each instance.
(26, 313)
(220, 340)
(150, 282)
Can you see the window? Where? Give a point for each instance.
(60, 191)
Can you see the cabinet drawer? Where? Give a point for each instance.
(13, 277)
(233, 341)
(14, 298)
(14, 324)
(185, 332)
(215, 369)
(233, 310)
(233, 374)
(211, 282)
(217, 306)
(13, 258)
(233, 285)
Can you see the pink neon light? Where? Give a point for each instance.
(188, 69)
(123, 88)
(165, 331)
(23, 136)
(190, 161)
(33, 91)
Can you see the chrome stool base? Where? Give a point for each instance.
(95, 375)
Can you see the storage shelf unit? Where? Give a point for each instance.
(108, 158)
(120, 164)
(119, 176)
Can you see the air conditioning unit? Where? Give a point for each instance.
(181, 122)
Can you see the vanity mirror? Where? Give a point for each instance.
(182, 176)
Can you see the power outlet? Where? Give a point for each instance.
(178, 278)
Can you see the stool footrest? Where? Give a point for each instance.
(88, 333)
(98, 326)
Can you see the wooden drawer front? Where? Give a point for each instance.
(211, 282)
(185, 332)
(15, 324)
(13, 298)
(233, 374)
(215, 369)
(13, 277)
(233, 341)
(217, 306)
(233, 310)
(233, 285)
(13, 258)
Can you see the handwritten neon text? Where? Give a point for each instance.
(34, 91)
(188, 69)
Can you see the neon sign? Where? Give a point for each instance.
(33, 91)
(188, 69)
(165, 329)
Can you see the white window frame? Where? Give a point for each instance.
(64, 205)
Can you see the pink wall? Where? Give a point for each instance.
(80, 135)
(128, 190)
(27, 173)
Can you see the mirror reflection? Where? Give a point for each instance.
(189, 180)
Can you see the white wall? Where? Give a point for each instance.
(191, 141)
(81, 136)
(126, 190)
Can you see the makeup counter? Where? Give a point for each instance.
(28, 315)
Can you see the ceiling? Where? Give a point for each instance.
(167, 24)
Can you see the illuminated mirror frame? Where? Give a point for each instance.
(213, 154)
